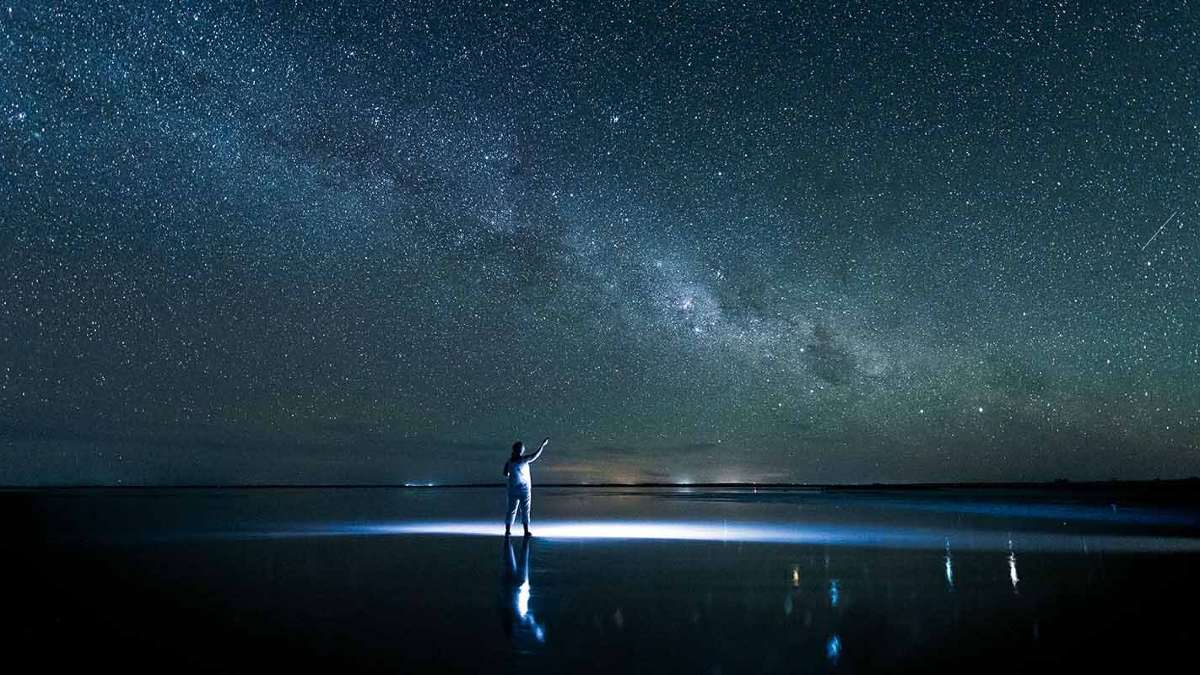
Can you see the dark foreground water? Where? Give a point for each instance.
(671, 581)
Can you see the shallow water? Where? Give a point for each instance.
(708, 581)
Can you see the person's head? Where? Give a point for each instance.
(518, 448)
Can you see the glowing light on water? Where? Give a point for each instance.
(646, 530)
(833, 649)
(720, 531)
(523, 599)
(1012, 566)
(949, 567)
(833, 593)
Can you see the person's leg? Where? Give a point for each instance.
(511, 512)
(526, 505)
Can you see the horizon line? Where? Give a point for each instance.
(1055, 483)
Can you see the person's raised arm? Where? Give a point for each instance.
(537, 454)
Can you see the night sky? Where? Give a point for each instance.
(690, 241)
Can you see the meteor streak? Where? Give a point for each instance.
(1160, 229)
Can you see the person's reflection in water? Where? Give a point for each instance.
(520, 625)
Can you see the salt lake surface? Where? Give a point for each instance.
(713, 580)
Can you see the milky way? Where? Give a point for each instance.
(690, 241)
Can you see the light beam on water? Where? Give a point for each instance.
(739, 532)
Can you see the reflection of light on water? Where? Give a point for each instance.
(833, 593)
(833, 649)
(795, 576)
(949, 567)
(722, 530)
(731, 531)
(1012, 565)
(523, 600)
(1051, 512)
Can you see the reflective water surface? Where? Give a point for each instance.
(705, 581)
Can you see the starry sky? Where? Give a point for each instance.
(366, 242)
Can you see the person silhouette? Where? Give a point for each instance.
(520, 625)
(516, 469)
